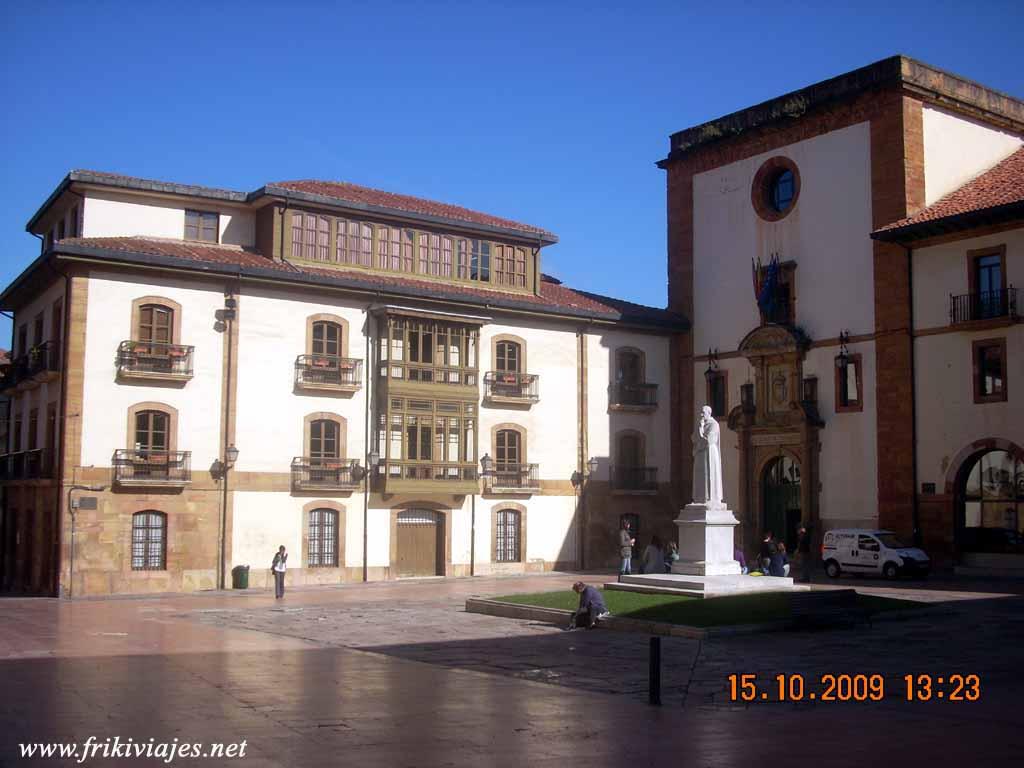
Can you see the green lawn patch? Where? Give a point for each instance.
(694, 611)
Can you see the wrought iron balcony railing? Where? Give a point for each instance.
(154, 360)
(417, 373)
(626, 478)
(633, 395)
(43, 359)
(987, 305)
(25, 465)
(145, 467)
(319, 473)
(512, 477)
(508, 385)
(328, 372)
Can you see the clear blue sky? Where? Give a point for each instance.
(549, 113)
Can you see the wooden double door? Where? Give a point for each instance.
(420, 545)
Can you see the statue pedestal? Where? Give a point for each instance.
(705, 567)
(706, 541)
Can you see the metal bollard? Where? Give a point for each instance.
(654, 678)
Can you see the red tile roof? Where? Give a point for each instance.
(339, 191)
(1001, 185)
(353, 193)
(554, 298)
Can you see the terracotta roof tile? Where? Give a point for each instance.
(353, 193)
(554, 296)
(1001, 185)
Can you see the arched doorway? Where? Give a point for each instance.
(420, 543)
(990, 504)
(780, 485)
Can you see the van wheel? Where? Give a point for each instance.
(890, 571)
(832, 569)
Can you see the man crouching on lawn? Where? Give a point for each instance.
(591, 607)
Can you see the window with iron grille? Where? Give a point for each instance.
(149, 541)
(323, 538)
(508, 536)
(201, 225)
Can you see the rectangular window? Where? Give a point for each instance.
(480, 260)
(849, 394)
(201, 225)
(50, 446)
(311, 236)
(33, 429)
(718, 393)
(986, 276)
(990, 371)
(37, 330)
(57, 321)
(61, 230)
(22, 339)
(73, 222)
(510, 266)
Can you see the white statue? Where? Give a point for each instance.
(707, 461)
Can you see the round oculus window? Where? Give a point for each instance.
(775, 189)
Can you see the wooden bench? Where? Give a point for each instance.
(826, 608)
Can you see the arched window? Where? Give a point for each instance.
(156, 324)
(323, 538)
(993, 504)
(324, 439)
(149, 541)
(508, 450)
(327, 338)
(507, 357)
(629, 367)
(508, 536)
(152, 431)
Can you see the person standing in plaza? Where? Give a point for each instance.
(626, 542)
(654, 557)
(278, 567)
(803, 552)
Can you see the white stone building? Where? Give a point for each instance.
(407, 393)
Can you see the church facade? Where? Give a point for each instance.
(847, 254)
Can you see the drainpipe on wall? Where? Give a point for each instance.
(367, 340)
(915, 515)
(58, 467)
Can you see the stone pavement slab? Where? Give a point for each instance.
(398, 675)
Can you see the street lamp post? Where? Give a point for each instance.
(579, 481)
(220, 469)
(366, 475)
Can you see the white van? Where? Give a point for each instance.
(859, 550)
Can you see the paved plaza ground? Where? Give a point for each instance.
(398, 674)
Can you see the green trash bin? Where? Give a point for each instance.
(240, 577)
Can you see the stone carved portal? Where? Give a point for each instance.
(780, 430)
